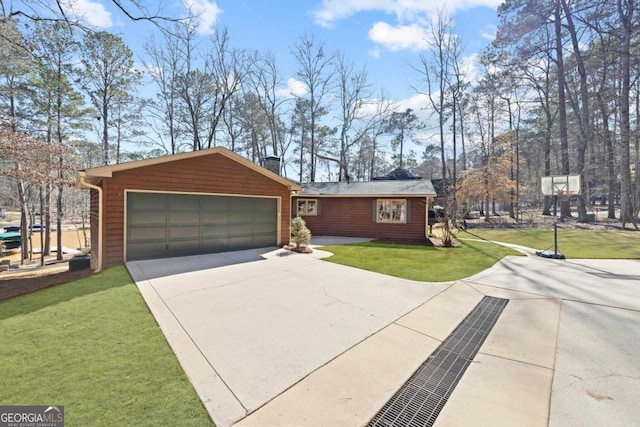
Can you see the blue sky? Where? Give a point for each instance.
(384, 35)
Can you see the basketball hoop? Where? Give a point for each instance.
(562, 187)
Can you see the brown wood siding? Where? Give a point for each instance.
(212, 174)
(353, 217)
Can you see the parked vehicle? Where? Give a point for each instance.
(11, 240)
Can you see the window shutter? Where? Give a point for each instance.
(408, 211)
(318, 204)
(374, 210)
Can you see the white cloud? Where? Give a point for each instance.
(294, 88)
(470, 67)
(207, 13)
(417, 103)
(151, 70)
(399, 37)
(335, 10)
(91, 12)
(489, 33)
(371, 107)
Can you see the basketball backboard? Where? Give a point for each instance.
(565, 185)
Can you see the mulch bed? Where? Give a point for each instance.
(14, 284)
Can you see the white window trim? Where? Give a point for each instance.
(307, 203)
(385, 215)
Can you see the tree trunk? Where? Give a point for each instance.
(610, 157)
(24, 232)
(626, 19)
(565, 207)
(636, 203)
(105, 132)
(45, 218)
(584, 123)
(548, 200)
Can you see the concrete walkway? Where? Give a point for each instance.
(274, 339)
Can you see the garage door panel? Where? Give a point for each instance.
(214, 218)
(182, 233)
(215, 231)
(239, 242)
(242, 204)
(148, 233)
(239, 230)
(181, 202)
(215, 204)
(262, 240)
(265, 206)
(214, 245)
(183, 248)
(148, 218)
(184, 217)
(176, 224)
(241, 217)
(147, 202)
(264, 228)
(147, 249)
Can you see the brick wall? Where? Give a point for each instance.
(354, 217)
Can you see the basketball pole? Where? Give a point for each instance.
(562, 186)
(555, 225)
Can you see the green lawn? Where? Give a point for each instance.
(92, 346)
(422, 263)
(614, 244)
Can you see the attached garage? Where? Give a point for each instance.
(166, 224)
(190, 203)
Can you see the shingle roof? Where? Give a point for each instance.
(416, 187)
(398, 174)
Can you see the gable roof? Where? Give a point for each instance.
(95, 175)
(391, 188)
(397, 174)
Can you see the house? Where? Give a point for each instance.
(190, 203)
(388, 208)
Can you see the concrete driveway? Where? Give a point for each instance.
(248, 325)
(596, 378)
(273, 340)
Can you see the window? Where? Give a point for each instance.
(391, 211)
(307, 207)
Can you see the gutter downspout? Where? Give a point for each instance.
(85, 184)
(426, 218)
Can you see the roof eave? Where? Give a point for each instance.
(392, 195)
(95, 175)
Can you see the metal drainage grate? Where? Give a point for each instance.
(420, 400)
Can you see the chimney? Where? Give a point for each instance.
(272, 164)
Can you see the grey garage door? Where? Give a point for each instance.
(160, 225)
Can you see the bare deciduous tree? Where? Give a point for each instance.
(316, 69)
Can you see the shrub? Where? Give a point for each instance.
(301, 234)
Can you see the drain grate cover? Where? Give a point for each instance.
(420, 400)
